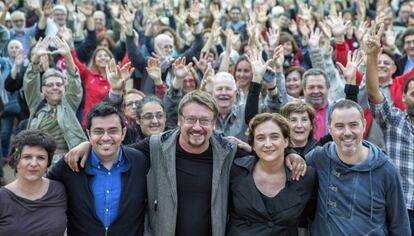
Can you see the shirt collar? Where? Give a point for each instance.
(96, 162)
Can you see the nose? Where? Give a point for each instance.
(347, 131)
(268, 142)
(33, 161)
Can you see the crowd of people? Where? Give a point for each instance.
(206, 117)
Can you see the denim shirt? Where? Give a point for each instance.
(106, 188)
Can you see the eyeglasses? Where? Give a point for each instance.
(110, 132)
(51, 84)
(191, 120)
(133, 103)
(150, 116)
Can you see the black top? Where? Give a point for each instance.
(194, 175)
(254, 214)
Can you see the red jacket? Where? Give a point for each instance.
(95, 86)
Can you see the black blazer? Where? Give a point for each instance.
(81, 212)
(249, 215)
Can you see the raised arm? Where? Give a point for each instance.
(373, 48)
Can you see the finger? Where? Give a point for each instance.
(340, 67)
(305, 167)
(83, 160)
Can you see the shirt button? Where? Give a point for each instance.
(107, 210)
(107, 191)
(109, 173)
(270, 224)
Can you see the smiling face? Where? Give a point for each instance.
(196, 125)
(243, 74)
(102, 59)
(189, 84)
(408, 99)
(224, 92)
(269, 142)
(316, 91)
(59, 17)
(106, 135)
(152, 119)
(131, 102)
(300, 128)
(294, 84)
(53, 88)
(409, 45)
(386, 68)
(32, 164)
(347, 129)
(13, 48)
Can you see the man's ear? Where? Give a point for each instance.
(88, 132)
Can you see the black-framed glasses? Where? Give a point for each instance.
(192, 120)
(150, 116)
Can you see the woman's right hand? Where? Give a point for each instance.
(79, 152)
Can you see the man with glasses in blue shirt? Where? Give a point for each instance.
(108, 197)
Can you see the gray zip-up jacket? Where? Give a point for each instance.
(162, 186)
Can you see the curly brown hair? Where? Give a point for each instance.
(32, 138)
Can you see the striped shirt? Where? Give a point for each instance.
(399, 143)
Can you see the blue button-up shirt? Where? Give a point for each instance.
(106, 187)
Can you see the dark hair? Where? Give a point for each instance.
(409, 31)
(315, 72)
(32, 138)
(345, 103)
(148, 99)
(103, 109)
(407, 83)
(263, 117)
(287, 37)
(111, 42)
(389, 53)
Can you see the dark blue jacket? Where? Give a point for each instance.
(82, 218)
(361, 199)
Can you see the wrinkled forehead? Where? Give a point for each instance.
(222, 80)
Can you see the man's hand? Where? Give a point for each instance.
(373, 44)
(77, 153)
(202, 63)
(314, 38)
(279, 58)
(154, 70)
(338, 27)
(257, 64)
(41, 49)
(273, 36)
(297, 165)
(86, 8)
(18, 60)
(180, 69)
(349, 72)
(114, 75)
(62, 47)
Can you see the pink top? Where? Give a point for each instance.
(320, 121)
